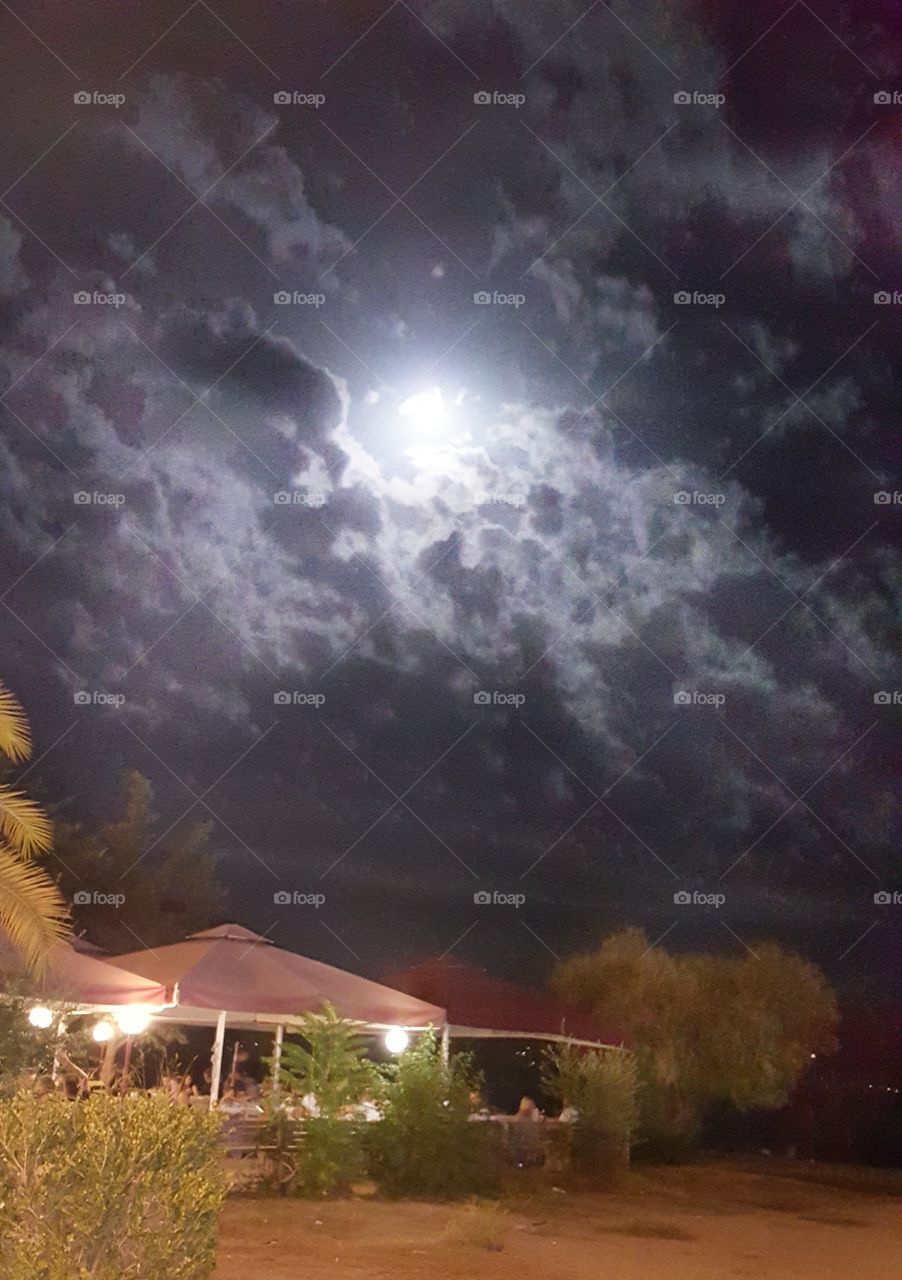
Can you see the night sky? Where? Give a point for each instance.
(557, 499)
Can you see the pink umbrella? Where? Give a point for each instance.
(230, 972)
(75, 978)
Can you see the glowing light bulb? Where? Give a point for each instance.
(102, 1031)
(396, 1039)
(40, 1016)
(132, 1020)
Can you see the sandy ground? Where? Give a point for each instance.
(708, 1222)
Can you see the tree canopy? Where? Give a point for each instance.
(739, 1029)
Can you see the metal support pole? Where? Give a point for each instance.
(277, 1056)
(446, 1043)
(216, 1061)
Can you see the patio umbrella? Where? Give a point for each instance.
(232, 973)
(76, 978)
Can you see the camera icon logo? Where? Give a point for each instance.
(482, 897)
(282, 98)
(281, 898)
(482, 98)
(882, 298)
(81, 498)
(482, 699)
(883, 498)
(82, 298)
(81, 98)
(82, 698)
(281, 699)
(682, 897)
(682, 498)
(682, 698)
(882, 898)
(681, 97)
(483, 298)
(81, 898)
(682, 298)
(282, 498)
(282, 298)
(882, 698)
(882, 97)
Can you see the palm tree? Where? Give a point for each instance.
(32, 910)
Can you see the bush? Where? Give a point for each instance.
(425, 1145)
(331, 1067)
(106, 1189)
(600, 1084)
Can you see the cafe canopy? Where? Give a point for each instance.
(73, 977)
(231, 975)
(481, 1007)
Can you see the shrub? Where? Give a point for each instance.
(330, 1065)
(600, 1084)
(425, 1144)
(106, 1189)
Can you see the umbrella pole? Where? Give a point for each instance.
(216, 1062)
(277, 1057)
(446, 1043)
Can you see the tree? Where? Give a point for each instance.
(32, 910)
(331, 1067)
(706, 1028)
(130, 882)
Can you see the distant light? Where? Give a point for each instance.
(396, 1039)
(133, 1019)
(426, 409)
(102, 1031)
(40, 1016)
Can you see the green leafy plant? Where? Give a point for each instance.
(425, 1144)
(600, 1084)
(107, 1189)
(706, 1029)
(329, 1065)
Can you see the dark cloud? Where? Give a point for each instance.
(502, 612)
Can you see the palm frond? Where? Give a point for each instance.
(32, 910)
(24, 824)
(15, 735)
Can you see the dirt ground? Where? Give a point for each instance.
(701, 1222)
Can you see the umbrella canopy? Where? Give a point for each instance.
(232, 969)
(81, 979)
(479, 1005)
